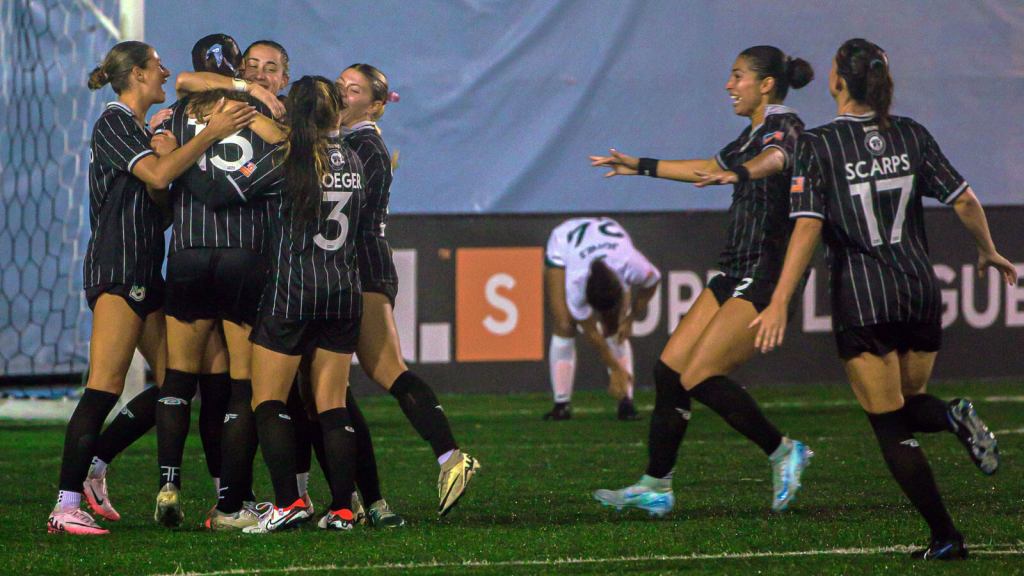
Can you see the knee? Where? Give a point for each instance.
(912, 389)
(564, 329)
(693, 375)
(881, 404)
(668, 388)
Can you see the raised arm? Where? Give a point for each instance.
(189, 82)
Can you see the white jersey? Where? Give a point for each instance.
(575, 243)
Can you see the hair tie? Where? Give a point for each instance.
(393, 96)
(876, 64)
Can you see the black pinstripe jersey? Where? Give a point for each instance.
(867, 184)
(758, 224)
(373, 252)
(313, 264)
(127, 241)
(195, 224)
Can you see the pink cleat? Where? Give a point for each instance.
(95, 490)
(73, 521)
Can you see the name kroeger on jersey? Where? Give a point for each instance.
(575, 243)
(867, 184)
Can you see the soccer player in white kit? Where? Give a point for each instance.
(592, 274)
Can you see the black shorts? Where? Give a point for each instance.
(880, 339)
(754, 290)
(143, 300)
(388, 289)
(215, 284)
(299, 337)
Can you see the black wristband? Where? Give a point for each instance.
(647, 167)
(742, 173)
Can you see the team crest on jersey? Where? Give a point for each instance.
(137, 293)
(875, 143)
(337, 159)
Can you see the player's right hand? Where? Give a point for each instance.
(226, 121)
(620, 164)
(771, 327)
(618, 382)
(996, 260)
(269, 98)
(163, 143)
(159, 118)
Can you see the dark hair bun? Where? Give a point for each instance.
(97, 78)
(798, 72)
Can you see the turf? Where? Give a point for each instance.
(531, 504)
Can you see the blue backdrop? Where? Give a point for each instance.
(502, 101)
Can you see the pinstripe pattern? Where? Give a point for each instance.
(758, 224)
(127, 242)
(308, 281)
(871, 202)
(373, 252)
(195, 224)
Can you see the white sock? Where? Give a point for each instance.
(216, 486)
(69, 500)
(444, 457)
(562, 364)
(302, 480)
(99, 467)
(624, 354)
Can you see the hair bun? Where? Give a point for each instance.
(799, 72)
(98, 78)
(394, 97)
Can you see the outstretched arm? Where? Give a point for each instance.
(682, 170)
(768, 163)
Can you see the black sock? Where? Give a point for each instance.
(367, 478)
(340, 447)
(317, 441)
(173, 416)
(424, 412)
(214, 393)
(668, 421)
(737, 407)
(80, 438)
(926, 413)
(910, 468)
(277, 441)
(133, 421)
(238, 448)
(304, 431)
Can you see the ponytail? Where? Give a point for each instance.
(865, 69)
(313, 109)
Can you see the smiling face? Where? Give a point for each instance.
(151, 79)
(745, 89)
(357, 95)
(266, 66)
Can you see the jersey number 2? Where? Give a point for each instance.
(905, 184)
(341, 199)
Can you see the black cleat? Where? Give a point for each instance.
(948, 549)
(627, 411)
(974, 435)
(561, 411)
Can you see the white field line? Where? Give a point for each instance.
(988, 550)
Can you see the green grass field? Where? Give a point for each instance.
(530, 509)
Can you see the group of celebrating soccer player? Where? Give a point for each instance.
(279, 270)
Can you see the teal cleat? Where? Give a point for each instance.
(653, 501)
(786, 470)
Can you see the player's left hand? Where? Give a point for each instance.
(714, 178)
(997, 261)
(771, 327)
(618, 382)
(163, 143)
(159, 118)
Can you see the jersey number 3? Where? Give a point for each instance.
(340, 199)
